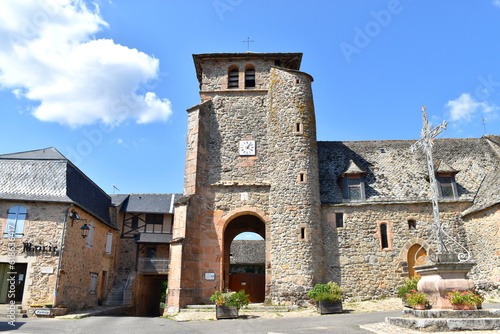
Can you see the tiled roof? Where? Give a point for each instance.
(46, 175)
(33, 178)
(352, 168)
(487, 195)
(49, 153)
(248, 252)
(151, 203)
(394, 174)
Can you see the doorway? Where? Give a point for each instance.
(416, 257)
(12, 282)
(250, 259)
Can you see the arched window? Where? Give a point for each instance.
(383, 236)
(250, 77)
(16, 216)
(233, 77)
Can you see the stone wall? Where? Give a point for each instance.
(354, 256)
(295, 239)
(80, 261)
(483, 236)
(43, 227)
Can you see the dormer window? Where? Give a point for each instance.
(233, 77)
(354, 188)
(445, 177)
(446, 185)
(353, 184)
(250, 77)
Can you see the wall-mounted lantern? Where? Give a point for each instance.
(84, 230)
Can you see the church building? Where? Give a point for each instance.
(357, 213)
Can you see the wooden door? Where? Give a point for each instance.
(415, 259)
(253, 284)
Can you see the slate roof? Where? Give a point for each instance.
(149, 203)
(248, 252)
(400, 176)
(47, 175)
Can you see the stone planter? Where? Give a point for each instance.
(419, 307)
(327, 307)
(46, 312)
(226, 312)
(463, 307)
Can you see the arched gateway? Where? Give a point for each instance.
(252, 282)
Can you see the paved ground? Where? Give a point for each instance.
(362, 317)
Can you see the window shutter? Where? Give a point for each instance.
(109, 242)
(90, 237)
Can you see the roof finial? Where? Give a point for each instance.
(248, 41)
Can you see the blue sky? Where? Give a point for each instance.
(107, 82)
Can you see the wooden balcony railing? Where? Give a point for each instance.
(147, 265)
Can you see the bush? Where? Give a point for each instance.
(237, 299)
(331, 292)
(408, 285)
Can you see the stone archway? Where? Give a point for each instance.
(408, 252)
(235, 226)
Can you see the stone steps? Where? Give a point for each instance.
(250, 307)
(448, 320)
(6, 311)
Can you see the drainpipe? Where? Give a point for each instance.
(63, 243)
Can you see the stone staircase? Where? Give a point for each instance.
(121, 293)
(255, 307)
(6, 311)
(448, 320)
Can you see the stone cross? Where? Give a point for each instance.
(425, 143)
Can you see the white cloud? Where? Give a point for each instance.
(496, 3)
(465, 108)
(48, 54)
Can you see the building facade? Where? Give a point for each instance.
(357, 213)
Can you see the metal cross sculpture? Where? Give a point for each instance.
(248, 41)
(427, 134)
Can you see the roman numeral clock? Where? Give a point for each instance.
(247, 147)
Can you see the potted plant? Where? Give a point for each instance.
(228, 304)
(408, 285)
(478, 299)
(462, 300)
(328, 297)
(416, 299)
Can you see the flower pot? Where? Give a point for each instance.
(226, 312)
(419, 306)
(327, 307)
(463, 306)
(479, 306)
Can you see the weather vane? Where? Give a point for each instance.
(248, 41)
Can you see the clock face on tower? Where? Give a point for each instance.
(247, 147)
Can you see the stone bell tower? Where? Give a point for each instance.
(251, 166)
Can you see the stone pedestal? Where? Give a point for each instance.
(445, 275)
